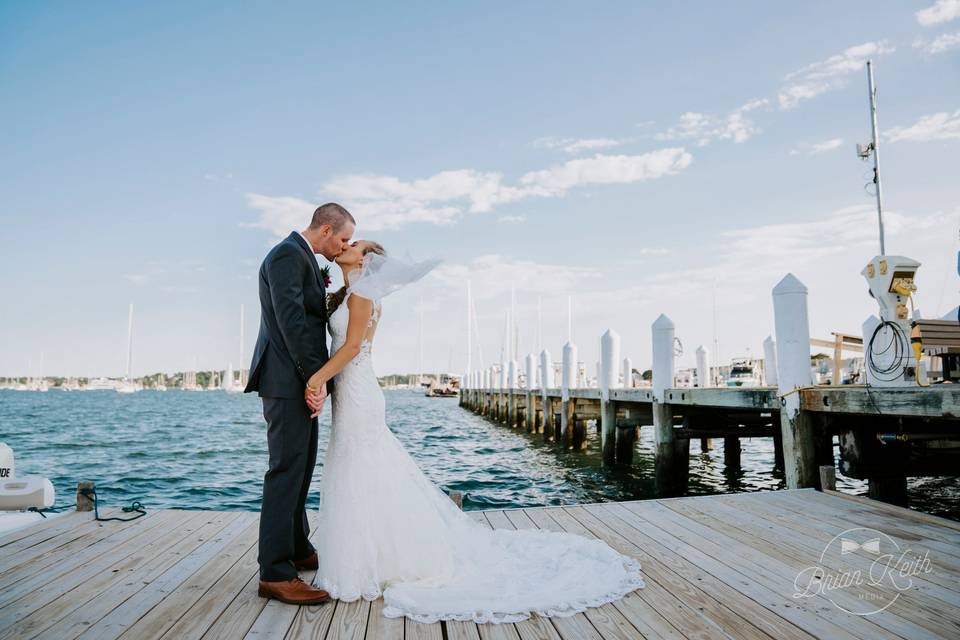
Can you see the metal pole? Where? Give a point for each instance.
(876, 152)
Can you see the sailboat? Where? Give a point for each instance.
(129, 385)
(228, 384)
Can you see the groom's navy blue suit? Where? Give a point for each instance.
(290, 348)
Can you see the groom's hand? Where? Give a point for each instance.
(315, 399)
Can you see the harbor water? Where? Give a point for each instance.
(208, 450)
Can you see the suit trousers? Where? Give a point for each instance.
(284, 530)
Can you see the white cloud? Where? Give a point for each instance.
(603, 169)
(819, 147)
(943, 42)
(490, 275)
(386, 202)
(705, 128)
(280, 215)
(823, 76)
(576, 145)
(938, 126)
(512, 219)
(940, 11)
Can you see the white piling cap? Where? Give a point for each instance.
(702, 349)
(663, 322)
(610, 333)
(789, 284)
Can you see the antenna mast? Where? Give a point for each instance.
(864, 152)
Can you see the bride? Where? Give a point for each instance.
(386, 530)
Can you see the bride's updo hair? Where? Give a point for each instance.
(335, 299)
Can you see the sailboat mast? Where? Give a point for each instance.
(129, 341)
(242, 381)
(469, 328)
(420, 357)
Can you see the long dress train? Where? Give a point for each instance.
(386, 530)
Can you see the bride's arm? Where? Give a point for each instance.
(359, 309)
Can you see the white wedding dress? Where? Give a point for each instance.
(386, 530)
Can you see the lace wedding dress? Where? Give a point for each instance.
(386, 530)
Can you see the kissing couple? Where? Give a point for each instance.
(384, 529)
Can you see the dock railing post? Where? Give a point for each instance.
(501, 400)
(627, 373)
(609, 359)
(670, 461)
(485, 400)
(793, 372)
(529, 413)
(770, 361)
(546, 382)
(568, 381)
(703, 367)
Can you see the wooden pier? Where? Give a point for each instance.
(886, 430)
(918, 422)
(716, 567)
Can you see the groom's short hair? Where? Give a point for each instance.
(332, 214)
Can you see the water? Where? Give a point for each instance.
(208, 450)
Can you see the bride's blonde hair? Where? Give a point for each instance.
(335, 299)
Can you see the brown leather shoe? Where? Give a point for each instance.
(310, 563)
(294, 591)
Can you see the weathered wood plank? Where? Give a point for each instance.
(200, 617)
(895, 510)
(762, 569)
(47, 597)
(383, 628)
(683, 610)
(50, 526)
(771, 594)
(239, 616)
(597, 622)
(310, 622)
(110, 603)
(938, 401)
(186, 564)
(174, 604)
(418, 631)
(350, 620)
(935, 593)
(19, 564)
(896, 618)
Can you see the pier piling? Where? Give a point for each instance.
(609, 358)
(671, 453)
(793, 372)
(567, 382)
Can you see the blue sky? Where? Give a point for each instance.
(637, 156)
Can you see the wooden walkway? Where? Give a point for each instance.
(716, 567)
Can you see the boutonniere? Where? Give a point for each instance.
(325, 275)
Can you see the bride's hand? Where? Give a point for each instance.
(315, 399)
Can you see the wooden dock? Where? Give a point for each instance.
(716, 567)
(885, 435)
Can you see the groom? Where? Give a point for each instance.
(292, 347)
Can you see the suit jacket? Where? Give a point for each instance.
(292, 343)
